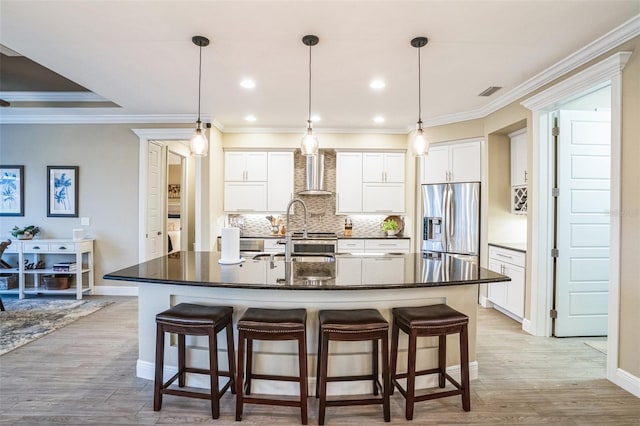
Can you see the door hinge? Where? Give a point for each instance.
(555, 252)
(555, 131)
(553, 314)
(555, 192)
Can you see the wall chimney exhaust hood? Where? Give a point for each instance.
(314, 183)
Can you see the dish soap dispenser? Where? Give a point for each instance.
(348, 227)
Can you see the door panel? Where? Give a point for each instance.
(582, 268)
(155, 223)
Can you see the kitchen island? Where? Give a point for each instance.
(349, 282)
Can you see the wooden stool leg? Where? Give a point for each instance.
(395, 331)
(374, 365)
(318, 358)
(181, 360)
(386, 379)
(240, 378)
(1, 305)
(442, 359)
(322, 407)
(231, 356)
(213, 374)
(411, 375)
(247, 386)
(158, 383)
(464, 361)
(302, 361)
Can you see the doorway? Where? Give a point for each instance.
(177, 219)
(581, 155)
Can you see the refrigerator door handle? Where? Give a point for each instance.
(448, 218)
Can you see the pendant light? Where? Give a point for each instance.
(309, 143)
(198, 144)
(420, 143)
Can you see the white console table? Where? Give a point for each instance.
(50, 251)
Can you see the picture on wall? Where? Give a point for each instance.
(174, 190)
(62, 191)
(12, 190)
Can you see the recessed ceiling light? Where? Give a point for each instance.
(315, 118)
(250, 118)
(378, 119)
(248, 83)
(377, 84)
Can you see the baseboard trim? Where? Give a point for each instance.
(527, 326)
(146, 370)
(484, 302)
(627, 381)
(115, 290)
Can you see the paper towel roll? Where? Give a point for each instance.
(230, 245)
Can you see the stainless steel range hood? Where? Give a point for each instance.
(314, 184)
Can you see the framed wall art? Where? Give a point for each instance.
(62, 191)
(11, 190)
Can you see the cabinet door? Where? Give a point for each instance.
(245, 196)
(394, 167)
(519, 159)
(383, 270)
(497, 291)
(515, 289)
(234, 166)
(349, 182)
(387, 245)
(348, 270)
(383, 198)
(280, 181)
(350, 246)
(373, 167)
(465, 162)
(435, 165)
(256, 166)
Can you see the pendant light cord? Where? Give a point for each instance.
(419, 88)
(199, 82)
(309, 116)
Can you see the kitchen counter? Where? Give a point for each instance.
(340, 235)
(521, 247)
(351, 282)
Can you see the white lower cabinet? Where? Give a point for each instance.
(348, 270)
(374, 245)
(508, 297)
(369, 270)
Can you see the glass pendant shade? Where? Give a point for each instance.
(309, 144)
(198, 144)
(420, 143)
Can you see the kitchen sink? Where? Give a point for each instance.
(312, 258)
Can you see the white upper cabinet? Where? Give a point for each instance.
(382, 167)
(452, 162)
(280, 181)
(257, 181)
(519, 174)
(370, 182)
(349, 182)
(243, 166)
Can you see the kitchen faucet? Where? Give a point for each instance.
(288, 243)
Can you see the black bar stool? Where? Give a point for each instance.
(195, 320)
(435, 320)
(353, 325)
(271, 324)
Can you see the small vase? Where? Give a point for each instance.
(25, 236)
(391, 233)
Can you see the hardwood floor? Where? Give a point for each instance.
(85, 374)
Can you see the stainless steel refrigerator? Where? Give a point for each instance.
(451, 223)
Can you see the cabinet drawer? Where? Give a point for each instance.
(11, 248)
(513, 257)
(271, 244)
(350, 246)
(387, 246)
(35, 247)
(62, 247)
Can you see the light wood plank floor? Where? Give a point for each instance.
(85, 374)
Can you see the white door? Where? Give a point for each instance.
(155, 201)
(582, 268)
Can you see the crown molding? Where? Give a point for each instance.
(96, 118)
(293, 130)
(52, 97)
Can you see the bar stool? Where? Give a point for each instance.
(435, 320)
(353, 325)
(194, 320)
(271, 324)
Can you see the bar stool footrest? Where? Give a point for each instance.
(274, 377)
(265, 401)
(348, 402)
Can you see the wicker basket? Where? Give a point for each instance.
(57, 282)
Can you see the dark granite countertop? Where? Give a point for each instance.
(355, 236)
(203, 269)
(521, 247)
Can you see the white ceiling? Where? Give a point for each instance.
(139, 55)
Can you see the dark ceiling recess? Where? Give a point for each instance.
(21, 74)
(490, 90)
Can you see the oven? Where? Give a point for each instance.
(315, 243)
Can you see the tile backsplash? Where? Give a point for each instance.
(321, 209)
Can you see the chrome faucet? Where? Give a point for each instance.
(288, 244)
